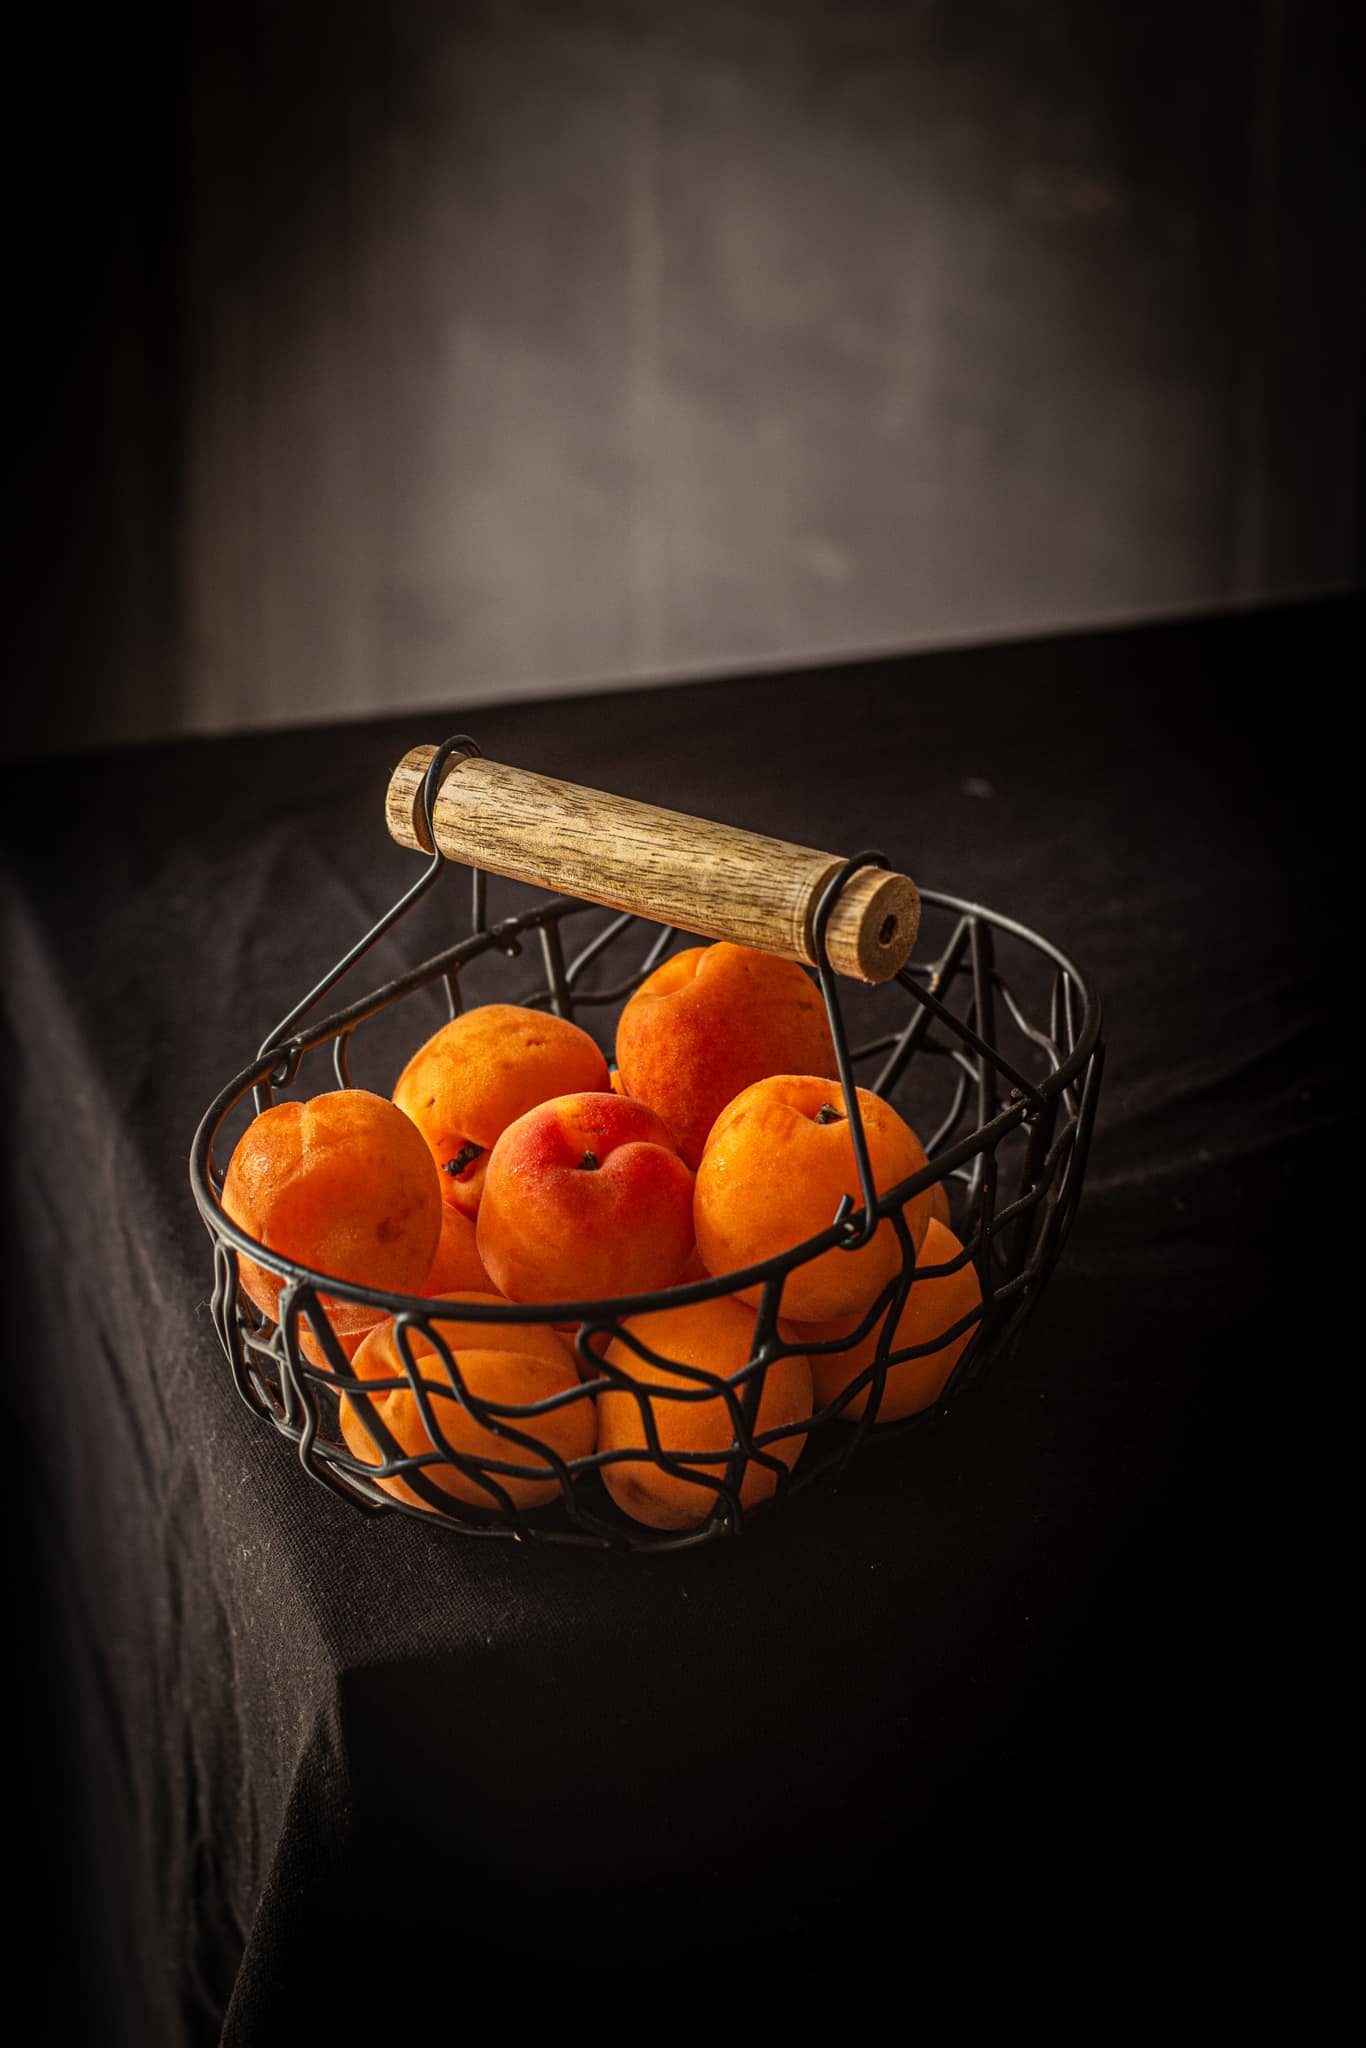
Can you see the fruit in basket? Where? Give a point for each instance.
(513, 1363)
(585, 1196)
(708, 1023)
(934, 1304)
(718, 1337)
(343, 1183)
(456, 1270)
(777, 1162)
(457, 1267)
(351, 1325)
(478, 1074)
(596, 1344)
(939, 1204)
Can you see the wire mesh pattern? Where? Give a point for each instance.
(989, 1044)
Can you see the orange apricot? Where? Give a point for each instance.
(777, 1162)
(596, 1344)
(344, 1184)
(457, 1267)
(939, 1204)
(351, 1325)
(693, 1270)
(718, 1337)
(513, 1363)
(708, 1023)
(455, 1270)
(478, 1074)
(935, 1303)
(585, 1196)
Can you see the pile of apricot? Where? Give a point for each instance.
(513, 1166)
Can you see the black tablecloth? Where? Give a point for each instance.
(296, 1762)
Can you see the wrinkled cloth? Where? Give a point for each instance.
(314, 1763)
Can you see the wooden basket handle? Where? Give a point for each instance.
(711, 879)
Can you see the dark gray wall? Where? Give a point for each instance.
(505, 346)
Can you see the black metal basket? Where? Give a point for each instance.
(995, 1035)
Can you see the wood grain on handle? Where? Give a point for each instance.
(712, 879)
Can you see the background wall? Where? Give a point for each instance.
(386, 355)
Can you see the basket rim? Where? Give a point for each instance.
(288, 1052)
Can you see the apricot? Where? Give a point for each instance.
(478, 1074)
(351, 1325)
(597, 1344)
(516, 1363)
(939, 1204)
(934, 1304)
(343, 1183)
(708, 1023)
(456, 1270)
(585, 1196)
(457, 1267)
(717, 1336)
(777, 1162)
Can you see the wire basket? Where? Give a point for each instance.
(991, 1031)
